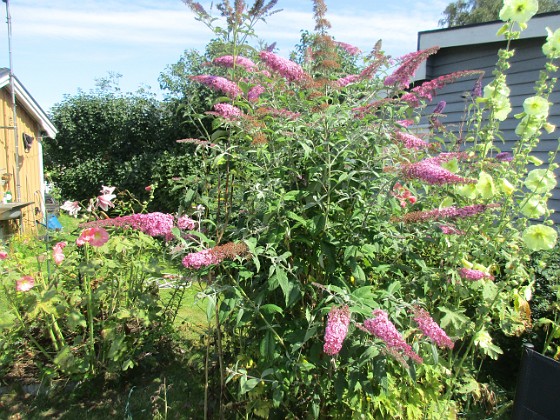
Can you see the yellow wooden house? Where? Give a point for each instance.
(22, 185)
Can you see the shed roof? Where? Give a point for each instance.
(481, 33)
(28, 102)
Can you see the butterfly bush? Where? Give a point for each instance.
(335, 191)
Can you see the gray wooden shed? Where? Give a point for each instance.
(475, 47)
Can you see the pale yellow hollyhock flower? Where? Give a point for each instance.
(551, 47)
(536, 106)
(506, 186)
(485, 186)
(539, 237)
(533, 207)
(540, 180)
(519, 11)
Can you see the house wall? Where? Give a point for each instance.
(525, 70)
(29, 163)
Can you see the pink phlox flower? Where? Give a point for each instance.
(336, 330)
(350, 49)
(72, 207)
(288, 69)
(3, 255)
(345, 81)
(227, 111)
(95, 236)
(58, 254)
(382, 328)
(431, 329)
(104, 201)
(229, 61)
(25, 283)
(409, 64)
(186, 223)
(474, 275)
(220, 84)
(196, 260)
(410, 141)
(254, 93)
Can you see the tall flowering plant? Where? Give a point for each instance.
(370, 266)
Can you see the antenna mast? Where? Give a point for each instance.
(14, 108)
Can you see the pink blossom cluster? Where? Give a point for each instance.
(410, 141)
(445, 213)
(350, 49)
(58, 254)
(153, 224)
(283, 113)
(220, 84)
(336, 330)
(254, 93)
(409, 64)
(229, 61)
(430, 171)
(186, 223)
(196, 260)
(431, 329)
(345, 81)
(427, 90)
(451, 230)
(474, 275)
(381, 327)
(288, 69)
(227, 111)
(95, 236)
(3, 255)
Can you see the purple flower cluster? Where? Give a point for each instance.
(350, 49)
(186, 223)
(474, 275)
(409, 64)
(227, 111)
(345, 81)
(197, 260)
(336, 330)
(431, 329)
(504, 157)
(381, 327)
(220, 84)
(286, 68)
(254, 93)
(153, 224)
(430, 171)
(229, 61)
(427, 90)
(410, 141)
(445, 213)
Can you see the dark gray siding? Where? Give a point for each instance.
(525, 69)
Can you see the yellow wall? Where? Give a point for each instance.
(29, 162)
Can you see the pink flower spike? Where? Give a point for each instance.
(229, 61)
(25, 284)
(220, 84)
(186, 223)
(286, 68)
(431, 329)
(95, 236)
(196, 260)
(3, 255)
(474, 275)
(336, 330)
(227, 111)
(104, 201)
(381, 327)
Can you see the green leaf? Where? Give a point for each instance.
(456, 319)
(268, 346)
(270, 308)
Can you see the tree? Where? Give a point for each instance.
(127, 140)
(464, 12)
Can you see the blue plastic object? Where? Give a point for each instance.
(53, 223)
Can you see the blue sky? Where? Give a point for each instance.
(60, 46)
